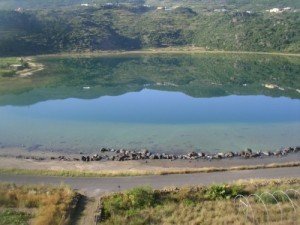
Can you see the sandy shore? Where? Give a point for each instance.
(33, 68)
(9, 160)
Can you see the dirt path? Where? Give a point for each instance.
(86, 209)
(95, 186)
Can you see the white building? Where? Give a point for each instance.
(274, 10)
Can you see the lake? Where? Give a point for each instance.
(170, 103)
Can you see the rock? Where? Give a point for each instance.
(255, 155)
(277, 153)
(249, 151)
(62, 157)
(192, 154)
(83, 158)
(217, 156)
(221, 155)
(132, 156)
(144, 151)
(229, 155)
(122, 158)
(201, 154)
(96, 157)
(103, 150)
(268, 153)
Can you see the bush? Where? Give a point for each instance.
(223, 191)
(141, 197)
(137, 198)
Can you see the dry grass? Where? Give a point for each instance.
(192, 206)
(53, 204)
(118, 173)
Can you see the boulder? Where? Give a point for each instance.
(144, 151)
(229, 155)
(122, 158)
(104, 150)
(192, 154)
(201, 154)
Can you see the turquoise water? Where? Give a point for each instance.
(134, 103)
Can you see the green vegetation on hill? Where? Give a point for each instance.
(134, 26)
(244, 4)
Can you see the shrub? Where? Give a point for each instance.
(141, 197)
(223, 191)
(136, 198)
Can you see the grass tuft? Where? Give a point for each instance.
(112, 173)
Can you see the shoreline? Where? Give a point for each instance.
(183, 50)
(55, 164)
(33, 67)
(127, 154)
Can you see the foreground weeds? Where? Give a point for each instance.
(216, 204)
(51, 205)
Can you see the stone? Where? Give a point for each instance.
(144, 151)
(122, 158)
(229, 155)
(201, 154)
(192, 154)
(103, 150)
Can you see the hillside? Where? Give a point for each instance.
(242, 4)
(134, 26)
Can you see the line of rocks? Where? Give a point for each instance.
(144, 154)
(109, 154)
